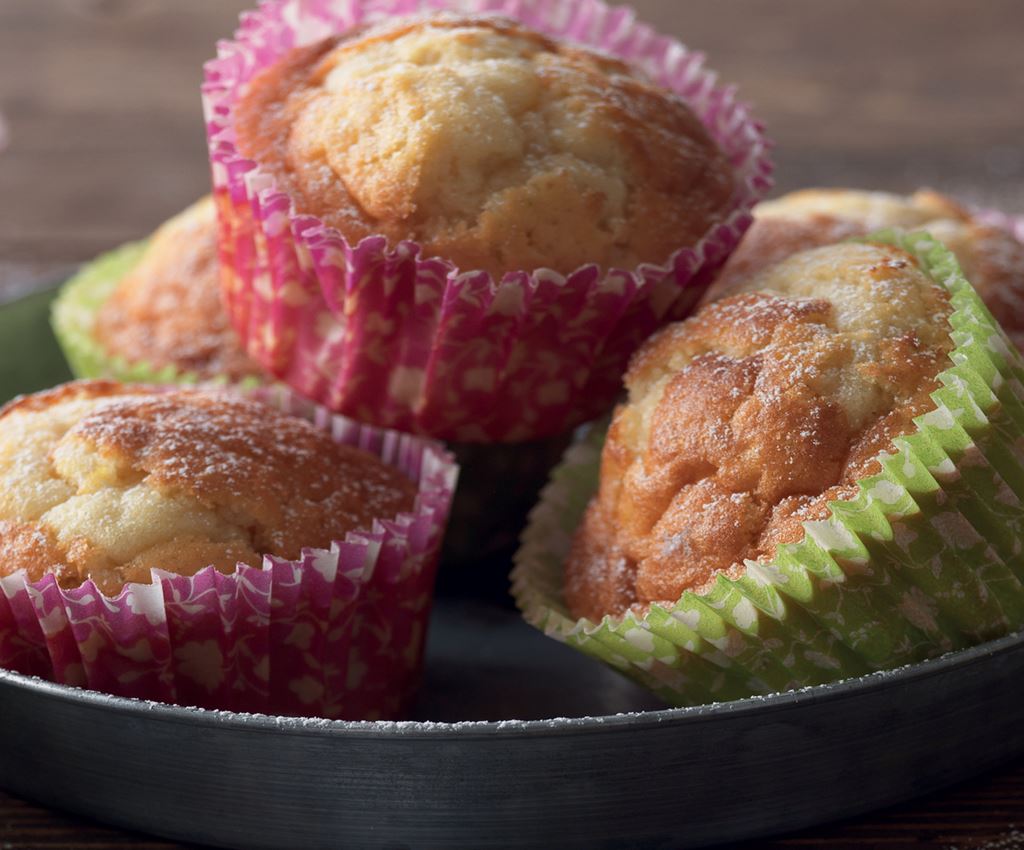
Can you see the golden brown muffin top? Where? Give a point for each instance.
(748, 418)
(992, 258)
(105, 481)
(167, 310)
(495, 147)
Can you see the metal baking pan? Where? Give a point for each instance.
(520, 743)
(649, 779)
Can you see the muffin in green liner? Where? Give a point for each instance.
(150, 311)
(925, 558)
(988, 244)
(74, 311)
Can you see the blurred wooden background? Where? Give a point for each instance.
(104, 140)
(101, 99)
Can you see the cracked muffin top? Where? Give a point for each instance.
(492, 145)
(105, 481)
(992, 258)
(167, 310)
(748, 418)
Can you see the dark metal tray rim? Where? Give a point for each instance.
(626, 721)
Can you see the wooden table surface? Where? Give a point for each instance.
(101, 139)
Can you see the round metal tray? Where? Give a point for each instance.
(520, 742)
(650, 779)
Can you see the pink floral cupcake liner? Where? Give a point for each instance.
(390, 337)
(337, 633)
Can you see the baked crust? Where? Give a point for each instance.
(105, 481)
(748, 418)
(167, 310)
(493, 146)
(992, 258)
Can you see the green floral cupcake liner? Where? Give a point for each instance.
(926, 558)
(73, 318)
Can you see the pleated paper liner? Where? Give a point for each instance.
(337, 633)
(73, 318)
(390, 336)
(926, 558)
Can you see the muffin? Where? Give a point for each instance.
(153, 310)
(814, 477)
(991, 256)
(749, 418)
(411, 210)
(105, 482)
(112, 494)
(488, 144)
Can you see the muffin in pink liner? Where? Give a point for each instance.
(389, 332)
(988, 244)
(111, 480)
